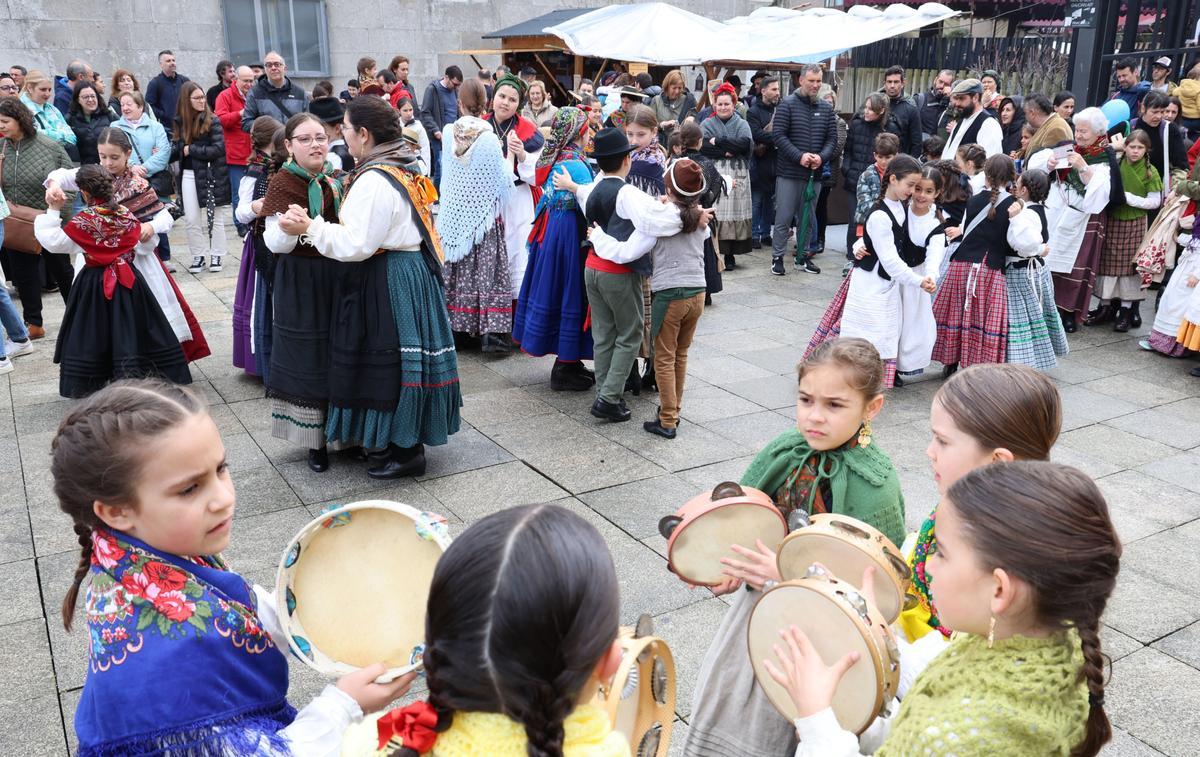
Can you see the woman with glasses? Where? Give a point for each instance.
(199, 146)
(87, 117)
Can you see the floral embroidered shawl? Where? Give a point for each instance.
(107, 237)
(178, 659)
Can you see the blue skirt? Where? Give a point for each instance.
(552, 307)
(417, 352)
(263, 327)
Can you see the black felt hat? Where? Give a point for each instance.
(610, 142)
(329, 109)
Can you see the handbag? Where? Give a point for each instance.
(18, 229)
(163, 182)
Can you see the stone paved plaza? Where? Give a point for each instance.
(1132, 421)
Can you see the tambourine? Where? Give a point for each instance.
(353, 585)
(836, 619)
(846, 546)
(700, 533)
(640, 700)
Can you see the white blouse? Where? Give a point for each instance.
(879, 228)
(373, 216)
(243, 212)
(919, 228)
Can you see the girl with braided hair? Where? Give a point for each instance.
(1026, 674)
(520, 630)
(182, 651)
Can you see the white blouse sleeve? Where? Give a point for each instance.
(368, 214)
(1149, 202)
(1096, 193)
(821, 735)
(879, 227)
(991, 137)
(243, 213)
(648, 214)
(65, 178)
(162, 221)
(278, 241)
(47, 227)
(1025, 233)
(527, 169)
(935, 252)
(607, 247)
(1039, 160)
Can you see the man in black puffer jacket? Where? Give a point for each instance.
(903, 111)
(805, 139)
(762, 170)
(932, 104)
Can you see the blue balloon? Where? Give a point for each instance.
(1117, 112)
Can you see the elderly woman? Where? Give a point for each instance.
(151, 152)
(38, 96)
(674, 105)
(1082, 183)
(26, 158)
(729, 144)
(539, 109)
(522, 143)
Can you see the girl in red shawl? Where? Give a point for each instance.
(113, 327)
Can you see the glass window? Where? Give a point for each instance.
(294, 28)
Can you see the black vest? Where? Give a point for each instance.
(871, 260)
(972, 132)
(602, 209)
(1035, 261)
(914, 254)
(988, 241)
(1041, 213)
(347, 159)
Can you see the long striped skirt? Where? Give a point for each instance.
(971, 310)
(1035, 333)
(1073, 291)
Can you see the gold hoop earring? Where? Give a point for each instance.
(864, 434)
(992, 632)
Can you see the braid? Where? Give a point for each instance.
(995, 192)
(549, 705)
(1099, 730)
(84, 533)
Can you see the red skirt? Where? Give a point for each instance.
(195, 348)
(971, 310)
(830, 326)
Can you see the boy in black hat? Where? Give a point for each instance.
(330, 111)
(614, 287)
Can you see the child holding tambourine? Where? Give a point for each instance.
(1026, 676)
(827, 464)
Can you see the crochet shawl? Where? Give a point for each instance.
(475, 184)
(1023, 696)
(862, 481)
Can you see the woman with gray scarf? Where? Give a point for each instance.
(729, 144)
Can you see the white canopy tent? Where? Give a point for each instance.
(661, 34)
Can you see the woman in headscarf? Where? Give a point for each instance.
(303, 292)
(1080, 188)
(393, 375)
(729, 144)
(521, 143)
(476, 181)
(552, 306)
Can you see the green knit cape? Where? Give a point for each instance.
(862, 480)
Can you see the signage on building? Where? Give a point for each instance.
(1080, 14)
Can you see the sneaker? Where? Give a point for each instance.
(1145, 345)
(214, 264)
(171, 267)
(16, 349)
(807, 266)
(777, 267)
(197, 264)
(6, 366)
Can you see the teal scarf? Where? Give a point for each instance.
(316, 184)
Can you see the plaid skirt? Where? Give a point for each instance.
(1035, 333)
(971, 310)
(1121, 242)
(1073, 291)
(830, 326)
(735, 210)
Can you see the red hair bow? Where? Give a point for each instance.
(726, 87)
(413, 725)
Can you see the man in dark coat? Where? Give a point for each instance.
(805, 139)
(932, 104)
(762, 168)
(162, 93)
(903, 111)
(274, 94)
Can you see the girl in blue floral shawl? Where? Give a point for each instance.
(183, 654)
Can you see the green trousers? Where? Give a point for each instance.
(617, 316)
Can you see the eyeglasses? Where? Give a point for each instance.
(88, 96)
(306, 140)
(197, 97)
(274, 64)
(8, 87)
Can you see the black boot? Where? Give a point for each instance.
(497, 344)
(570, 377)
(1121, 322)
(402, 463)
(633, 383)
(730, 263)
(897, 382)
(656, 427)
(1068, 321)
(1135, 315)
(1101, 315)
(617, 413)
(948, 371)
(649, 382)
(318, 460)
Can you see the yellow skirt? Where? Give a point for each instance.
(915, 620)
(1189, 335)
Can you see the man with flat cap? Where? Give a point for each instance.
(973, 125)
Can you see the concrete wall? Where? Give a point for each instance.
(47, 34)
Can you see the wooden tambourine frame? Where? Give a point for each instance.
(845, 546)
(640, 699)
(847, 622)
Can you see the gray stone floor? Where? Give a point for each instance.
(1132, 421)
